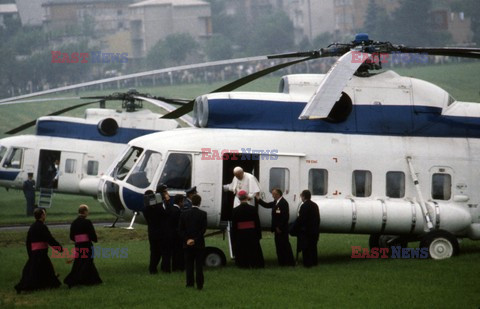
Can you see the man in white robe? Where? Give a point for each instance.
(243, 181)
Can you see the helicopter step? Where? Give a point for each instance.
(45, 198)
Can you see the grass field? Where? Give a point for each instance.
(338, 281)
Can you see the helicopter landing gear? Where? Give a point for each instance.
(441, 244)
(214, 257)
(386, 241)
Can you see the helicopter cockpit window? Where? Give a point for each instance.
(362, 183)
(126, 163)
(142, 175)
(177, 172)
(441, 186)
(3, 150)
(14, 158)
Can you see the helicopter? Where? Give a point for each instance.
(385, 155)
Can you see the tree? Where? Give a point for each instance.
(218, 47)
(377, 22)
(174, 49)
(411, 25)
(273, 33)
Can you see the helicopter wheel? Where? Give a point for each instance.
(441, 244)
(214, 257)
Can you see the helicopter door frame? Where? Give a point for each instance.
(233, 160)
(71, 171)
(46, 160)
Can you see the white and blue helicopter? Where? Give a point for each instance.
(393, 157)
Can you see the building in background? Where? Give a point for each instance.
(153, 20)
(8, 12)
(310, 17)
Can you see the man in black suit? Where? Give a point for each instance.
(156, 214)
(192, 227)
(307, 229)
(280, 216)
(178, 258)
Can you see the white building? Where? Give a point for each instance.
(153, 20)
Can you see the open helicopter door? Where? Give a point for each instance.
(46, 168)
(249, 163)
(70, 172)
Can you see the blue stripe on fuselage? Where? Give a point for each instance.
(133, 200)
(400, 120)
(87, 131)
(10, 176)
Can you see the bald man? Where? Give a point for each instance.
(243, 181)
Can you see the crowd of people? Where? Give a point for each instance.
(176, 229)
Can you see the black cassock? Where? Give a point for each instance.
(83, 271)
(38, 272)
(246, 235)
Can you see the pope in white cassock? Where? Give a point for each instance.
(243, 181)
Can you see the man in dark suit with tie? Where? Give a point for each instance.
(307, 228)
(192, 227)
(280, 216)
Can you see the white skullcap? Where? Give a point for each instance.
(238, 169)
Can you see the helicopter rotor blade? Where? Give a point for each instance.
(59, 112)
(136, 75)
(330, 89)
(232, 86)
(41, 100)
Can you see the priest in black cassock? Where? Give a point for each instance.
(246, 234)
(83, 234)
(38, 272)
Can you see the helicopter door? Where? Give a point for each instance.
(70, 172)
(284, 174)
(46, 167)
(234, 160)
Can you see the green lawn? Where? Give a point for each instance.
(63, 210)
(338, 281)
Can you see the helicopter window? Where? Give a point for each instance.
(92, 168)
(3, 150)
(177, 172)
(279, 179)
(362, 183)
(142, 174)
(126, 163)
(318, 181)
(441, 186)
(14, 158)
(395, 184)
(70, 166)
